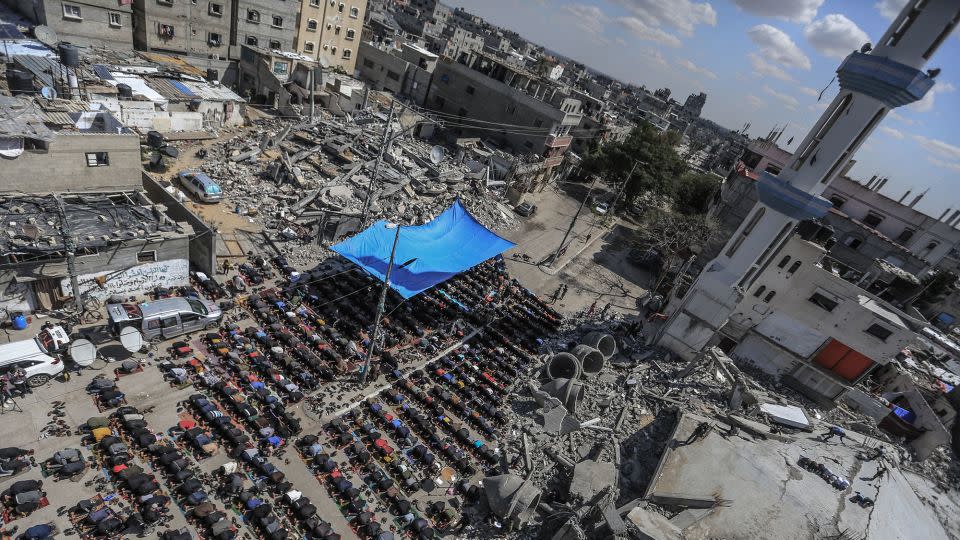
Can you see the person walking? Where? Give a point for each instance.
(834, 431)
(564, 291)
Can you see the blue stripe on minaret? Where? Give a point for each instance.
(886, 80)
(789, 200)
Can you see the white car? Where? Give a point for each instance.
(39, 357)
(602, 208)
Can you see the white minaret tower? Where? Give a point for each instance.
(872, 82)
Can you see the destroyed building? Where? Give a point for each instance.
(406, 71)
(278, 79)
(486, 87)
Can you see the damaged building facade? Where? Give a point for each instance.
(699, 314)
(86, 23)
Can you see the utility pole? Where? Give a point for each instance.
(376, 168)
(613, 206)
(556, 256)
(70, 248)
(380, 305)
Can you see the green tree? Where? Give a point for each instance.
(692, 193)
(658, 165)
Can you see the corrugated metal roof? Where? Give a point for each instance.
(167, 89)
(173, 61)
(214, 92)
(41, 67)
(22, 118)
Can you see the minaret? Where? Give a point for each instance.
(872, 82)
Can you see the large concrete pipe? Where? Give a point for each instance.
(563, 366)
(591, 360)
(568, 391)
(602, 342)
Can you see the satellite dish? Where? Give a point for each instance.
(324, 63)
(46, 35)
(131, 339)
(436, 154)
(48, 92)
(83, 352)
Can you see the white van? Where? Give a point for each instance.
(39, 357)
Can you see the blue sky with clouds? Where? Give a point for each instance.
(760, 61)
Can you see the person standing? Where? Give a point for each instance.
(18, 377)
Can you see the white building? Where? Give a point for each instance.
(871, 84)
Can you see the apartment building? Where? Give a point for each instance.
(194, 28)
(82, 22)
(270, 24)
(329, 31)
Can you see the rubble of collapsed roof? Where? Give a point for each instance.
(308, 183)
(32, 224)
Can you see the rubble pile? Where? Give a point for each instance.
(310, 183)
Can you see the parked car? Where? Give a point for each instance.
(602, 208)
(39, 357)
(165, 318)
(200, 186)
(525, 209)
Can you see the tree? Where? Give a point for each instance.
(658, 165)
(692, 193)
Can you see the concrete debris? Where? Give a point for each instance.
(653, 526)
(787, 415)
(591, 477)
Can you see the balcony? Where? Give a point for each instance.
(554, 141)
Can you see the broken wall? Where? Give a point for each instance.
(203, 241)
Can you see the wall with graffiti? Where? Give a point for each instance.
(132, 281)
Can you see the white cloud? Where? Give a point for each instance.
(945, 164)
(926, 104)
(777, 46)
(590, 18)
(835, 35)
(683, 15)
(806, 90)
(641, 30)
(788, 101)
(693, 68)
(890, 8)
(900, 118)
(654, 56)
(762, 68)
(895, 133)
(818, 107)
(938, 147)
(792, 10)
(755, 102)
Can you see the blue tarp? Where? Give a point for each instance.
(452, 242)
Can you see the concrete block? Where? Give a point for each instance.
(787, 415)
(690, 516)
(590, 477)
(653, 526)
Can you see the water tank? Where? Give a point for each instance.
(125, 91)
(69, 54)
(808, 229)
(154, 139)
(213, 75)
(20, 81)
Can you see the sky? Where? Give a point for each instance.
(759, 61)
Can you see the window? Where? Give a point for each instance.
(906, 235)
(351, 34)
(837, 201)
(746, 232)
(275, 45)
(253, 16)
(393, 75)
(215, 9)
(114, 19)
(368, 63)
(169, 322)
(831, 119)
(189, 317)
(166, 2)
(333, 50)
(98, 159)
(347, 53)
(280, 68)
(760, 290)
(852, 242)
(872, 219)
(336, 31)
(315, 3)
(354, 12)
(153, 324)
(879, 332)
(308, 46)
(214, 39)
(312, 25)
(783, 262)
(769, 296)
(71, 11)
(277, 21)
(823, 301)
(252, 41)
(772, 169)
(471, 90)
(147, 256)
(793, 268)
(340, 7)
(932, 246)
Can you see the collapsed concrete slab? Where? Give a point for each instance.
(590, 477)
(787, 415)
(653, 526)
